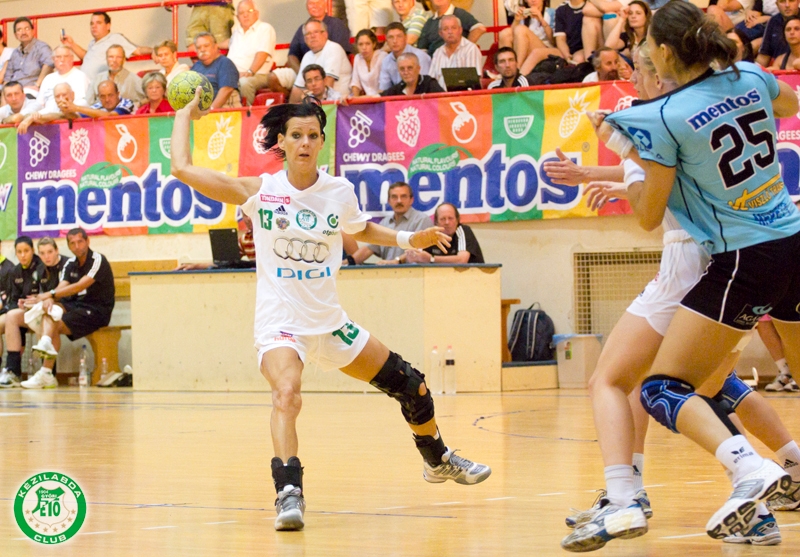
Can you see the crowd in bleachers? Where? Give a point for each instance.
(581, 40)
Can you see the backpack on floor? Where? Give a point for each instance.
(531, 335)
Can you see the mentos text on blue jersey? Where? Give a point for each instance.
(714, 111)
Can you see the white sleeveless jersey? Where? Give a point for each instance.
(297, 235)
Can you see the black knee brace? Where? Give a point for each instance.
(291, 474)
(722, 414)
(401, 382)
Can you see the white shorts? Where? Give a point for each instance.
(682, 264)
(286, 77)
(329, 351)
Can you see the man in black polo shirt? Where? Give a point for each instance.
(412, 83)
(464, 247)
(86, 292)
(505, 60)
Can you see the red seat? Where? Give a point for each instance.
(485, 81)
(143, 73)
(268, 98)
(489, 64)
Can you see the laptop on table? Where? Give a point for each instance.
(225, 249)
(461, 79)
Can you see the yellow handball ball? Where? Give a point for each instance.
(180, 91)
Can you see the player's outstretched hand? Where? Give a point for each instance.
(599, 193)
(564, 171)
(429, 237)
(193, 108)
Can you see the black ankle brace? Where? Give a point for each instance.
(290, 474)
(431, 449)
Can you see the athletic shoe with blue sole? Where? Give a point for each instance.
(763, 530)
(611, 522)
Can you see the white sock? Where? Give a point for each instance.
(638, 470)
(736, 454)
(50, 340)
(789, 458)
(729, 474)
(619, 484)
(761, 509)
(783, 367)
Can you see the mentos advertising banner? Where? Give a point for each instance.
(483, 153)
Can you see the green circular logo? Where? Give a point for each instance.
(306, 219)
(50, 508)
(333, 220)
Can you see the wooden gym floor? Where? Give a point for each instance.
(173, 474)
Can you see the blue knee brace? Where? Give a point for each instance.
(662, 396)
(732, 393)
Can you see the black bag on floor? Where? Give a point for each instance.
(531, 335)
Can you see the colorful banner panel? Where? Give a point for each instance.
(483, 153)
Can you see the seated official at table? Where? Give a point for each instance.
(464, 247)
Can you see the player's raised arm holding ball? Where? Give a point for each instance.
(298, 316)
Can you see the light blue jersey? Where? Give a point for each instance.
(719, 131)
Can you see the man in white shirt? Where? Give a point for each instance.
(252, 46)
(17, 106)
(65, 72)
(94, 56)
(63, 97)
(456, 52)
(129, 84)
(166, 56)
(327, 54)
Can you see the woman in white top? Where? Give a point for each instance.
(531, 32)
(165, 54)
(366, 65)
(298, 316)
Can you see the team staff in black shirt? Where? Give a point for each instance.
(86, 291)
(32, 276)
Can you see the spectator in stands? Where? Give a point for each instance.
(606, 66)
(728, 13)
(166, 56)
(531, 32)
(405, 218)
(5, 54)
(17, 106)
(369, 14)
(215, 18)
(791, 59)
(316, 84)
(456, 52)
(366, 65)
(31, 61)
(109, 104)
(569, 23)
(64, 96)
(327, 54)
(430, 38)
(745, 51)
(505, 60)
(219, 70)
(86, 292)
(65, 72)
(413, 83)
(94, 56)
(154, 85)
(129, 84)
(251, 51)
(464, 246)
(755, 21)
(336, 28)
(49, 272)
(397, 41)
(631, 28)
(413, 17)
(774, 43)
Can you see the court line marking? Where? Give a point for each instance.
(95, 533)
(704, 534)
(391, 508)
(549, 494)
(448, 503)
(499, 498)
(158, 527)
(8, 414)
(701, 482)
(223, 522)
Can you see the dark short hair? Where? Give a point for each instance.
(77, 232)
(402, 185)
(503, 49)
(12, 84)
(314, 68)
(598, 52)
(396, 25)
(278, 116)
(104, 15)
(23, 240)
(436, 212)
(20, 20)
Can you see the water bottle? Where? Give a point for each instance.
(104, 369)
(449, 371)
(436, 379)
(84, 379)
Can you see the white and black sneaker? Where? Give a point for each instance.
(768, 483)
(42, 379)
(290, 506)
(45, 347)
(783, 382)
(762, 530)
(609, 523)
(8, 379)
(456, 468)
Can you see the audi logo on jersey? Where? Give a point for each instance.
(307, 251)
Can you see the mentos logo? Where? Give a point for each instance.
(310, 274)
(266, 198)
